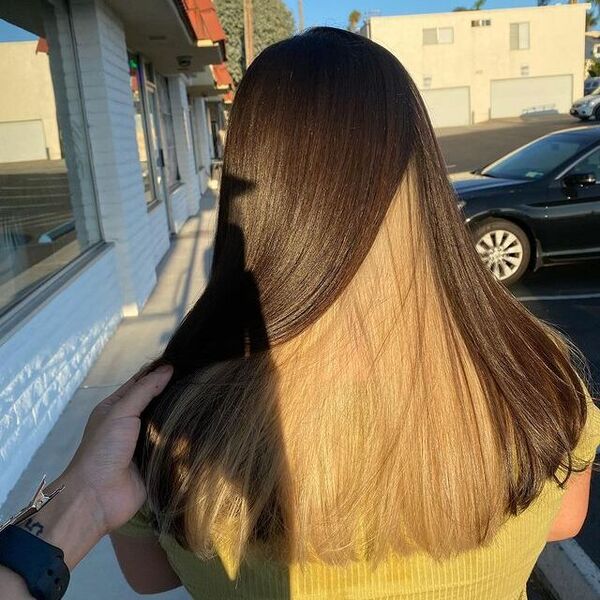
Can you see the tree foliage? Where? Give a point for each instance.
(594, 69)
(477, 5)
(273, 21)
(353, 19)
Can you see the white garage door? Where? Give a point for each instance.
(448, 107)
(22, 140)
(531, 95)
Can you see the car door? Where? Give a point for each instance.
(572, 222)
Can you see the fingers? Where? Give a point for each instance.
(118, 394)
(140, 392)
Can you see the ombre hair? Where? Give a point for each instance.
(353, 381)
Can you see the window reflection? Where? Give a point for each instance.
(48, 213)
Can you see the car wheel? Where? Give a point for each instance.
(504, 248)
(597, 113)
(585, 118)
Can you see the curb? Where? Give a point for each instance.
(571, 573)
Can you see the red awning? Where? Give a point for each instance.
(42, 46)
(204, 19)
(222, 76)
(228, 97)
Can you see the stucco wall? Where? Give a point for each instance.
(481, 54)
(27, 95)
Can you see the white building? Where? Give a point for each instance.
(471, 66)
(106, 145)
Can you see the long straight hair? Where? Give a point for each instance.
(353, 381)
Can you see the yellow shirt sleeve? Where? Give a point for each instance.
(140, 525)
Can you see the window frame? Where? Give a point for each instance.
(189, 115)
(162, 135)
(18, 311)
(149, 94)
(518, 25)
(568, 170)
(437, 35)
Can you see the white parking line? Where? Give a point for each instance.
(557, 297)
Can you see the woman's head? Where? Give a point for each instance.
(352, 380)
(320, 136)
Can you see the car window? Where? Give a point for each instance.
(536, 159)
(590, 164)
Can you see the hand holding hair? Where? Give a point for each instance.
(102, 487)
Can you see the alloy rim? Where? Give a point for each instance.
(501, 251)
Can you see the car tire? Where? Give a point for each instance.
(504, 248)
(597, 113)
(585, 118)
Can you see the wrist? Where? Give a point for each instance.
(72, 520)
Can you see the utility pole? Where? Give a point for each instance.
(300, 15)
(248, 32)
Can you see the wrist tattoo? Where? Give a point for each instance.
(34, 527)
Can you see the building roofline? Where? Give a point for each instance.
(482, 11)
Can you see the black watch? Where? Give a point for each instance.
(39, 563)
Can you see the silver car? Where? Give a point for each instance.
(588, 106)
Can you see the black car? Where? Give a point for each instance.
(537, 206)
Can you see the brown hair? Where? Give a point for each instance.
(352, 381)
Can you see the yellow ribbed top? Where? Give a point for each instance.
(498, 571)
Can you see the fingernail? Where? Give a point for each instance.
(164, 369)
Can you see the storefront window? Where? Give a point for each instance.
(48, 214)
(136, 89)
(147, 128)
(168, 134)
(189, 117)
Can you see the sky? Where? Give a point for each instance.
(10, 33)
(335, 12)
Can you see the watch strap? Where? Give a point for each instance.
(39, 563)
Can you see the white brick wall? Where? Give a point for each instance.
(47, 357)
(109, 107)
(183, 142)
(159, 230)
(201, 124)
(180, 206)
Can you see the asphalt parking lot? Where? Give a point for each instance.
(567, 296)
(466, 148)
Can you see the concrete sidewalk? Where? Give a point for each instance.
(181, 278)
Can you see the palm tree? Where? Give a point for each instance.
(478, 5)
(591, 20)
(353, 19)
